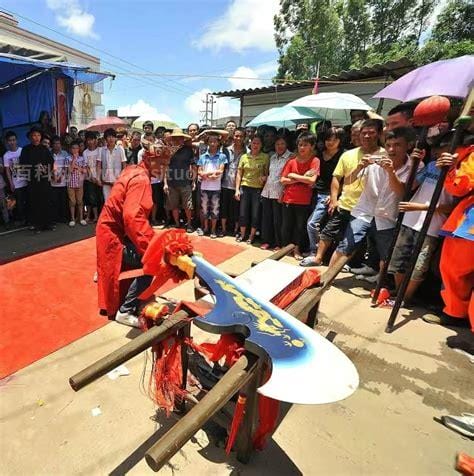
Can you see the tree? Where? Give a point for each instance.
(455, 22)
(452, 34)
(308, 32)
(357, 30)
(343, 34)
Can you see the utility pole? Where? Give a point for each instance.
(208, 112)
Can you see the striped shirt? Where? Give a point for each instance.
(273, 188)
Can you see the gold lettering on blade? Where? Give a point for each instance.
(264, 322)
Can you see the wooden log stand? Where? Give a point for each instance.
(244, 376)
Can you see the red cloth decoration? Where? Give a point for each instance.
(268, 412)
(308, 279)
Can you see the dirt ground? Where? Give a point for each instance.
(387, 426)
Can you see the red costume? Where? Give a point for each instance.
(457, 256)
(124, 215)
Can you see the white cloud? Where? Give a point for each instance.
(72, 16)
(223, 107)
(142, 108)
(245, 24)
(241, 77)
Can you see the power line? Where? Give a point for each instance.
(169, 88)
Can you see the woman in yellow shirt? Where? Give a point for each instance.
(251, 177)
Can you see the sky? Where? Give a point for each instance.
(230, 38)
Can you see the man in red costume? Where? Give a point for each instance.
(457, 256)
(123, 233)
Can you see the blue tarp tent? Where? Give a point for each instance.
(29, 86)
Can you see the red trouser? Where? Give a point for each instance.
(457, 273)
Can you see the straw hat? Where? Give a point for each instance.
(179, 133)
(374, 115)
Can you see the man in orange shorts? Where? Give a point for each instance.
(457, 257)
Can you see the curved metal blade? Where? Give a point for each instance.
(306, 367)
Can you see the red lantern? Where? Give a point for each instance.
(431, 111)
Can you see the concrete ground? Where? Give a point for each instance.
(386, 427)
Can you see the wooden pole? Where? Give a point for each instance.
(278, 255)
(172, 441)
(131, 349)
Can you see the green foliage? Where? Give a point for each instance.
(347, 34)
(455, 22)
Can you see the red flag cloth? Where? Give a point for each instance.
(316, 86)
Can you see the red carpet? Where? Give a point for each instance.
(49, 299)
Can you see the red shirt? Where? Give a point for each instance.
(299, 193)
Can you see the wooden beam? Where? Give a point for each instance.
(131, 349)
(175, 438)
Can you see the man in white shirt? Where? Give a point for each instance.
(59, 198)
(376, 211)
(17, 182)
(111, 162)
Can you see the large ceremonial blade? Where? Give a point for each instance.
(305, 367)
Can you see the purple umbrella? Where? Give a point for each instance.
(452, 77)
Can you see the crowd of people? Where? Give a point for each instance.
(328, 190)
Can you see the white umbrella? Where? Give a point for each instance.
(158, 121)
(284, 116)
(333, 106)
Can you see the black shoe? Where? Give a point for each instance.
(463, 343)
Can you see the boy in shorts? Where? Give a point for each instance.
(210, 169)
(415, 213)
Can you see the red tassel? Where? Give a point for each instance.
(236, 421)
(165, 386)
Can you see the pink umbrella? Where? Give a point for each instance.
(105, 123)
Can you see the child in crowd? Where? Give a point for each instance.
(329, 157)
(271, 196)
(251, 176)
(229, 205)
(415, 213)
(77, 170)
(210, 169)
(59, 196)
(18, 184)
(92, 184)
(298, 177)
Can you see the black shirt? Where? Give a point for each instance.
(326, 169)
(179, 173)
(38, 161)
